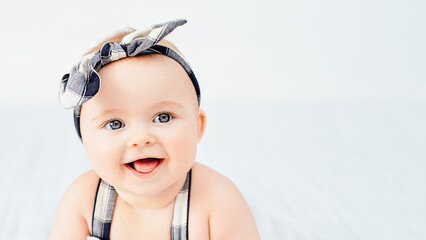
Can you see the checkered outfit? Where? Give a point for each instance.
(104, 209)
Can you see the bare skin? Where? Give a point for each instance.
(217, 211)
(130, 92)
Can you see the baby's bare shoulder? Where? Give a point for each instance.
(73, 216)
(212, 185)
(85, 186)
(229, 214)
(211, 180)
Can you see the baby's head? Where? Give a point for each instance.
(146, 106)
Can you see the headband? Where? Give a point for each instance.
(83, 81)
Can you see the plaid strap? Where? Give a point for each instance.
(179, 229)
(104, 208)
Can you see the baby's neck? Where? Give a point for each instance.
(161, 201)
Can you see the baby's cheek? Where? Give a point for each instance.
(102, 155)
(184, 143)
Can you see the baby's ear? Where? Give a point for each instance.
(201, 123)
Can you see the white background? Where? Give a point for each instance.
(316, 109)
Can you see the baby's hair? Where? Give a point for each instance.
(118, 35)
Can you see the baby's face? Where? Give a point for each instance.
(146, 107)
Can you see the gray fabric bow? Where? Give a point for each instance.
(83, 81)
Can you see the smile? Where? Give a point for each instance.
(143, 167)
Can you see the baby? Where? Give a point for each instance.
(136, 109)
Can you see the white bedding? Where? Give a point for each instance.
(352, 170)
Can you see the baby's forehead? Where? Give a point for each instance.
(153, 74)
(145, 68)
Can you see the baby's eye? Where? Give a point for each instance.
(114, 125)
(163, 117)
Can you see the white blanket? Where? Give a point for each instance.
(308, 171)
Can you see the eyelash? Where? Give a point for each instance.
(172, 116)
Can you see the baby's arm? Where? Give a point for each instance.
(230, 217)
(70, 221)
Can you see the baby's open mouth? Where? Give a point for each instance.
(145, 165)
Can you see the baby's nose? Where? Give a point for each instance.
(140, 138)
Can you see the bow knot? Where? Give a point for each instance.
(83, 81)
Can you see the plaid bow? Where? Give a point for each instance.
(83, 81)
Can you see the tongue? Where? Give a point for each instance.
(146, 165)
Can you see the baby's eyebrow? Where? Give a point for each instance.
(106, 112)
(164, 103)
(157, 104)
